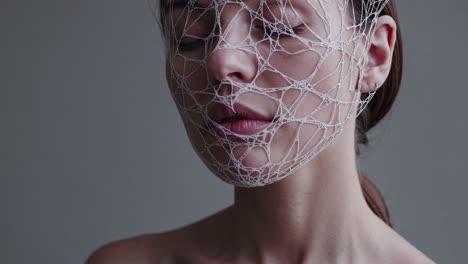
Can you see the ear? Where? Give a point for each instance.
(379, 55)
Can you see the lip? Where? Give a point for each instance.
(243, 127)
(243, 121)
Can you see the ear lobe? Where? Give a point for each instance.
(379, 54)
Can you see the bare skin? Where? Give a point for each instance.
(301, 219)
(318, 214)
(184, 246)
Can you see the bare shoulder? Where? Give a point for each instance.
(187, 244)
(415, 257)
(405, 252)
(141, 249)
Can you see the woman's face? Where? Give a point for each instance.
(263, 85)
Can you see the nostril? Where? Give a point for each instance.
(235, 75)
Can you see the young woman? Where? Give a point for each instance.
(276, 96)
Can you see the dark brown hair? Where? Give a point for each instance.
(376, 110)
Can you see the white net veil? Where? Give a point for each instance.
(263, 86)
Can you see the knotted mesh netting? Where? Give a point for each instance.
(264, 85)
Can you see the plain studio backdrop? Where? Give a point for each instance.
(93, 148)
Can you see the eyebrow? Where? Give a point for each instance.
(179, 4)
(175, 4)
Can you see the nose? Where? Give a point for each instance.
(233, 57)
(233, 64)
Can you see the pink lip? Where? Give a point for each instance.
(243, 121)
(243, 127)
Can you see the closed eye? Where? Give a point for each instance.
(275, 32)
(190, 43)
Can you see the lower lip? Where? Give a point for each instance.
(243, 127)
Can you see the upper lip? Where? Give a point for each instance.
(222, 113)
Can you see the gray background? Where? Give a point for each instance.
(93, 148)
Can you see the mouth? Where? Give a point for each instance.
(243, 127)
(243, 121)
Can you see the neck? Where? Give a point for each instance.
(318, 213)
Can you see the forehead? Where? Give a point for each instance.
(251, 3)
(305, 8)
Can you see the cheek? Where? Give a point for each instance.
(316, 82)
(188, 82)
(184, 72)
(291, 61)
(316, 110)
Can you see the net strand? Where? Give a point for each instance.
(296, 52)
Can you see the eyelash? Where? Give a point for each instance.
(281, 33)
(191, 45)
